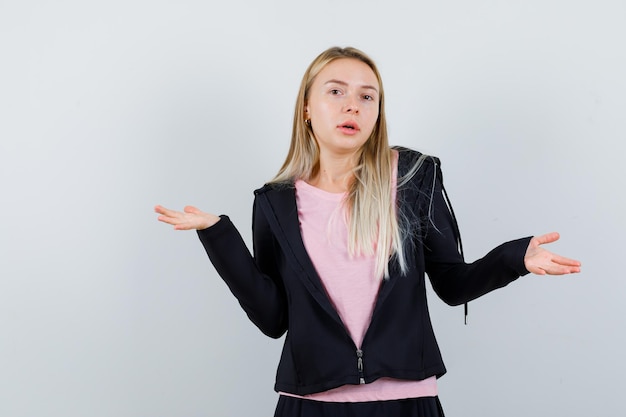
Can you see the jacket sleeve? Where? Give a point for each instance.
(258, 290)
(455, 281)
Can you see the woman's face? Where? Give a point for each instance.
(343, 106)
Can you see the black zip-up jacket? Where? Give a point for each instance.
(280, 290)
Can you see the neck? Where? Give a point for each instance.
(335, 172)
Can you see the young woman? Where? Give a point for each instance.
(343, 237)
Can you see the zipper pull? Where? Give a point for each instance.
(359, 365)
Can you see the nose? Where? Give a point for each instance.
(351, 106)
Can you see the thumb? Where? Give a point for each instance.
(191, 210)
(547, 238)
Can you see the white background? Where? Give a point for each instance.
(110, 107)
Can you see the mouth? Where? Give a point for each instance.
(349, 126)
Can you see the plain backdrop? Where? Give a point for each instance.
(108, 108)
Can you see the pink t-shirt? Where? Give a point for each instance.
(351, 286)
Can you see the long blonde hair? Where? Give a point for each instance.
(373, 224)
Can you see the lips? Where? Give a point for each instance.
(349, 127)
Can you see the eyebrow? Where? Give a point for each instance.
(367, 87)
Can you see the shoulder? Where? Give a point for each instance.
(412, 164)
(410, 156)
(275, 187)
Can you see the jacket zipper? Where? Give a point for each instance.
(359, 365)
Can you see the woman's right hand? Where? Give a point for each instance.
(188, 219)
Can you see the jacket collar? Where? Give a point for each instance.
(278, 203)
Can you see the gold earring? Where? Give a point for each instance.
(307, 122)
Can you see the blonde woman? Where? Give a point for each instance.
(343, 237)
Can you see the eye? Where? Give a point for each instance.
(335, 92)
(367, 97)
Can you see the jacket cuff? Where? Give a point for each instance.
(215, 231)
(519, 251)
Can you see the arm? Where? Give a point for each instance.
(457, 282)
(262, 298)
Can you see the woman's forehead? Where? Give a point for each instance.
(348, 71)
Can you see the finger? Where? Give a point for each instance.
(166, 212)
(547, 238)
(169, 220)
(183, 226)
(562, 270)
(552, 270)
(561, 260)
(551, 267)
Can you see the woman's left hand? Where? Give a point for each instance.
(541, 262)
